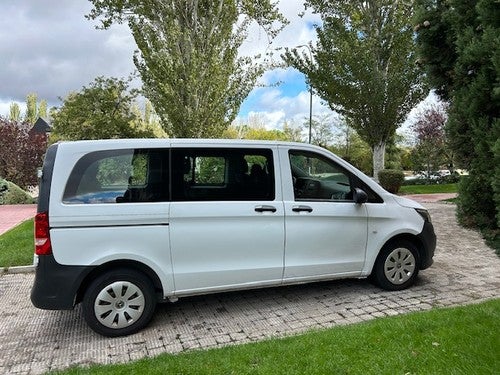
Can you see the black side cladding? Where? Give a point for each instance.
(46, 180)
(56, 285)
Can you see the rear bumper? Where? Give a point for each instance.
(428, 239)
(56, 286)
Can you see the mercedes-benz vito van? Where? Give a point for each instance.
(124, 224)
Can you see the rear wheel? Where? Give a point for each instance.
(396, 267)
(119, 302)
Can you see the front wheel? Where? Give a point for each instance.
(119, 302)
(396, 267)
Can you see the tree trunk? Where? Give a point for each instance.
(378, 158)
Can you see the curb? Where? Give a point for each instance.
(17, 269)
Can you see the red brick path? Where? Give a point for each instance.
(11, 215)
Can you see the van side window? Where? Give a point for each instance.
(119, 176)
(318, 178)
(225, 174)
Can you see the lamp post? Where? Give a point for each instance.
(310, 93)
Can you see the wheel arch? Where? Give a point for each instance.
(129, 264)
(413, 239)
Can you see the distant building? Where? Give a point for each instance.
(41, 126)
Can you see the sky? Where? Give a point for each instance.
(48, 47)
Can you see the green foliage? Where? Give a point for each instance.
(259, 132)
(466, 71)
(355, 151)
(10, 193)
(391, 179)
(42, 109)
(394, 153)
(474, 207)
(496, 180)
(102, 110)
(461, 340)
(363, 66)
(188, 56)
(31, 109)
(17, 245)
(14, 112)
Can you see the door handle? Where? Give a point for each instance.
(302, 208)
(265, 208)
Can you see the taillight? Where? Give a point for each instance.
(42, 236)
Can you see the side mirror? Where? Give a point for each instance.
(360, 196)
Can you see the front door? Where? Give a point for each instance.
(326, 232)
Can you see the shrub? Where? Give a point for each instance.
(10, 193)
(391, 179)
(449, 179)
(22, 152)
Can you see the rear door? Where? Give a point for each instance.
(113, 204)
(326, 232)
(226, 218)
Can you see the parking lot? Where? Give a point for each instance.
(34, 341)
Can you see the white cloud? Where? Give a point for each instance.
(298, 31)
(274, 108)
(5, 108)
(49, 48)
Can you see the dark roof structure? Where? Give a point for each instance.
(41, 126)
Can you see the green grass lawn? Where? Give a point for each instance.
(16, 245)
(462, 340)
(428, 189)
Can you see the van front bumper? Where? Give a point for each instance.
(428, 239)
(56, 286)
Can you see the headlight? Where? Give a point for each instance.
(424, 213)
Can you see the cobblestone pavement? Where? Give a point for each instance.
(34, 341)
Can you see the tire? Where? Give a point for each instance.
(397, 266)
(119, 302)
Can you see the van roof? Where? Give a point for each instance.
(135, 142)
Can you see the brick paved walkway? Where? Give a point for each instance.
(431, 198)
(34, 341)
(11, 215)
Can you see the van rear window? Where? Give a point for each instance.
(119, 176)
(222, 174)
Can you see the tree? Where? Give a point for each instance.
(102, 110)
(42, 109)
(363, 66)
(322, 129)
(431, 141)
(146, 121)
(292, 132)
(34, 109)
(354, 150)
(254, 127)
(22, 152)
(466, 33)
(31, 108)
(188, 56)
(15, 112)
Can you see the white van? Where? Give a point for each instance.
(124, 224)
